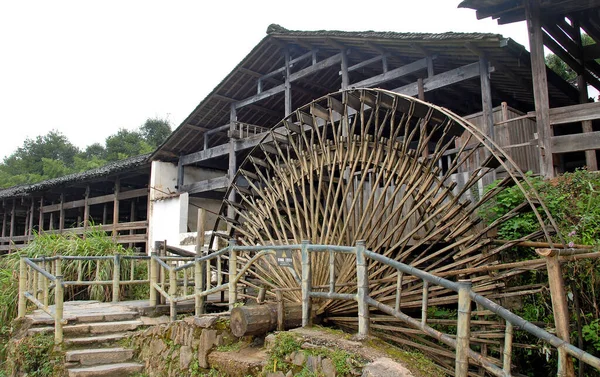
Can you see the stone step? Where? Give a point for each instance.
(91, 328)
(107, 370)
(87, 318)
(94, 340)
(88, 357)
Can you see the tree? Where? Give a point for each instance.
(560, 67)
(125, 144)
(155, 131)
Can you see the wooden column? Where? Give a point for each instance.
(3, 226)
(344, 70)
(115, 222)
(486, 97)
(288, 84)
(180, 174)
(560, 309)
(540, 86)
(232, 161)
(132, 217)
(11, 232)
(86, 208)
(586, 125)
(31, 212)
(104, 214)
(41, 220)
(61, 217)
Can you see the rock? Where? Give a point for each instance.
(152, 321)
(219, 341)
(298, 358)
(289, 374)
(328, 368)
(269, 341)
(313, 363)
(385, 367)
(242, 363)
(185, 357)
(157, 346)
(206, 321)
(207, 340)
(276, 374)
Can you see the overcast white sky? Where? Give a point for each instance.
(88, 68)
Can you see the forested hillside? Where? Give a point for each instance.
(53, 155)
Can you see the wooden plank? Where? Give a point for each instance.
(288, 84)
(124, 195)
(440, 80)
(367, 62)
(575, 113)
(392, 75)
(207, 185)
(575, 142)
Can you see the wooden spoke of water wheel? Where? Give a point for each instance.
(406, 176)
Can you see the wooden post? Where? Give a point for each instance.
(232, 168)
(22, 287)
(507, 351)
(180, 174)
(11, 231)
(280, 309)
(306, 285)
(61, 214)
(58, 313)
(287, 84)
(3, 226)
(132, 218)
(31, 212)
(173, 293)
(540, 86)
(362, 289)
(153, 279)
(586, 125)
(420, 89)
(559, 308)
(116, 284)
(344, 69)
(86, 208)
(104, 214)
(463, 329)
(41, 220)
(232, 274)
(486, 97)
(115, 222)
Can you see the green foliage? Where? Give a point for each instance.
(95, 242)
(573, 200)
(35, 356)
(53, 155)
(591, 333)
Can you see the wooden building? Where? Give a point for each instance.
(565, 134)
(115, 197)
(485, 77)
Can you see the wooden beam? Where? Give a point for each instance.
(223, 98)
(207, 185)
(367, 62)
(500, 67)
(392, 75)
(540, 85)
(576, 142)
(331, 61)
(443, 79)
(575, 113)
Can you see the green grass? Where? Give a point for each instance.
(94, 242)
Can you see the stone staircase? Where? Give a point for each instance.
(92, 337)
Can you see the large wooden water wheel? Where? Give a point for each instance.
(378, 166)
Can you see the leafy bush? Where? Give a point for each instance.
(573, 200)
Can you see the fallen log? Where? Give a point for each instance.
(260, 319)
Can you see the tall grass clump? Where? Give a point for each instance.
(94, 242)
